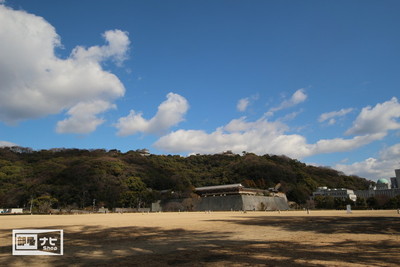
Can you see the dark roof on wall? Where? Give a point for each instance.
(219, 187)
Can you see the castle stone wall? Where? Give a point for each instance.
(241, 202)
(223, 203)
(220, 203)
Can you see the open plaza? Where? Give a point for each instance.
(272, 238)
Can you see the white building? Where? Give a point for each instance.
(13, 210)
(382, 188)
(341, 193)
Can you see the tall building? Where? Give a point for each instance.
(395, 181)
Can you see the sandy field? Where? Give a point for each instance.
(289, 238)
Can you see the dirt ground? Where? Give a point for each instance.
(287, 238)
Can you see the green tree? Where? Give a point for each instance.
(300, 193)
(44, 203)
(393, 203)
(361, 203)
(324, 202)
(136, 194)
(372, 202)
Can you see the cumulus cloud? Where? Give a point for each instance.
(115, 49)
(382, 166)
(83, 118)
(35, 82)
(7, 144)
(238, 135)
(260, 137)
(298, 97)
(243, 104)
(169, 114)
(379, 119)
(273, 137)
(330, 116)
(341, 144)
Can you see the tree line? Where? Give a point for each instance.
(74, 178)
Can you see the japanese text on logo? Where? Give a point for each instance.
(37, 242)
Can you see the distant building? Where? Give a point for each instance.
(382, 188)
(103, 210)
(12, 211)
(382, 184)
(17, 210)
(395, 181)
(341, 193)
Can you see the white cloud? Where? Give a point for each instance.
(298, 97)
(35, 82)
(378, 119)
(330, 116)
(374, 168)
(116, 49)
(341, 145)
(331, 121)
(169, 114)
(263, 136)
(7, 144)
(260, 137)
(291, 115)
(83, 118)
(273, 137)
(243, 104)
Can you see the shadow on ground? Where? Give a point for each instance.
(327, 225)
(150, 246)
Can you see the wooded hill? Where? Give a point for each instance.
(74, 177)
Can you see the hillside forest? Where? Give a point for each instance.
(77, 178)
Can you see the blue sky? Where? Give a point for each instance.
(313, 80)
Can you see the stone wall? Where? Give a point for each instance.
(220, 203)
(264, 203)
(227, 203)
